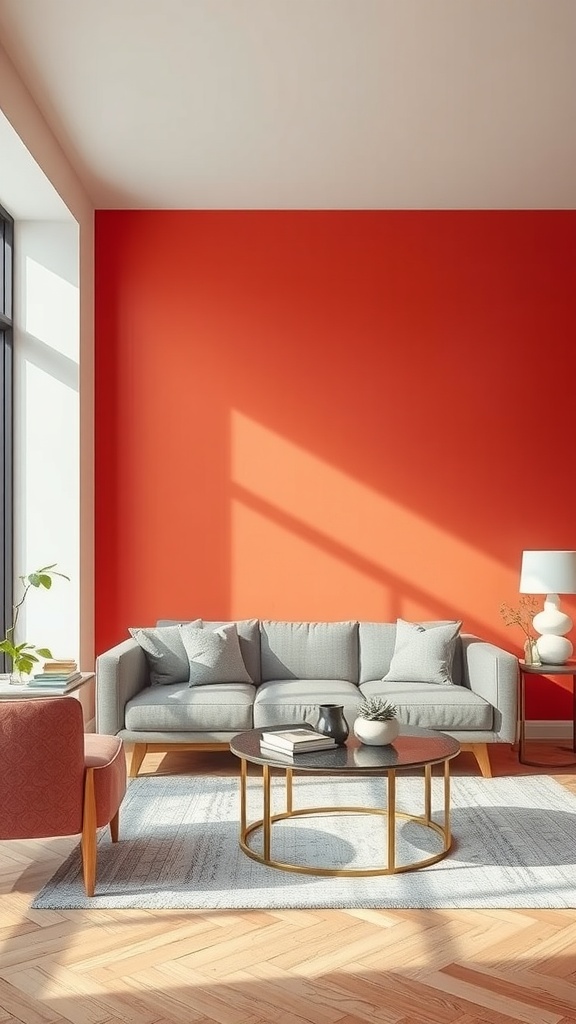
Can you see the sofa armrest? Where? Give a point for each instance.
(492, 673)
(121, 673)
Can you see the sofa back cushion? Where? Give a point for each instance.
(309, 650)
(423, 654)
(214, 655)
(248, 635)
(167, 660)
(377, 641)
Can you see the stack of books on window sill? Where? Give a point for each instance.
(289, 743)
(56, 675)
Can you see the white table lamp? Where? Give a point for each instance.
(551, 573)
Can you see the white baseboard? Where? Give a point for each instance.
(560, 730)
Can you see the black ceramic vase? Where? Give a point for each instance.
(331, 722)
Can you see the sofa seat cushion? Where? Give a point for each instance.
(287, 701)
(181, 708)
(442, 706)
(309, 650)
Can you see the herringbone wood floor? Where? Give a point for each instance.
(290, 967)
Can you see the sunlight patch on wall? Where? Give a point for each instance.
(51, 310)
(418, 568)
(293, 578)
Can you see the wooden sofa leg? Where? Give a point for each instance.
(480, 751)
(88, 840)
(138, 755)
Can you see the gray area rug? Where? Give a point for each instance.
(514, 847)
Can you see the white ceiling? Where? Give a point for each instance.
(307, 103)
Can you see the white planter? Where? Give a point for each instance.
(376, 734)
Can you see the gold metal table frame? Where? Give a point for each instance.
(389, 812)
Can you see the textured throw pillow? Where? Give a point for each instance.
(214, 655)
(165, 653)
(423, 655)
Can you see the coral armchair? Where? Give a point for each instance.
(54, 779)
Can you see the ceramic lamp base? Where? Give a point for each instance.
(553, 624)
(554, 650)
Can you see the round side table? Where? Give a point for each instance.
(569, 669)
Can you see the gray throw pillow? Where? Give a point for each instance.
(423, 655)
(214, 655)
(165, 653)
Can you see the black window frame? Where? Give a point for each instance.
(6, 422)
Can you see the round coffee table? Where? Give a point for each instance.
(414, 748)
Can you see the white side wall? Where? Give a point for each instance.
(54, 471)
(47, 428)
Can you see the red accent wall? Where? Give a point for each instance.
(332, 414)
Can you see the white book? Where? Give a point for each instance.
(291, 755)
(297, 738)
(301, 748)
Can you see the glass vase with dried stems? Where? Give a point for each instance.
(522, 616)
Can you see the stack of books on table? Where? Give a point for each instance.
(56, 675)
(291, 742)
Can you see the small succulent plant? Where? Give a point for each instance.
(376, 709)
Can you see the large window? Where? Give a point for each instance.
(6, 395)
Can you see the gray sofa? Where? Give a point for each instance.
(294, 667)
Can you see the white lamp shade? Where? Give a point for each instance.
(548, 572)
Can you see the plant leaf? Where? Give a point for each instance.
(44, 652)
(45, 581)
(46, 567)
(34, 579)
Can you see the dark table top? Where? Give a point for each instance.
(567, 669)
(412, 749)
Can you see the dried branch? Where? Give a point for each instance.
(521, 616)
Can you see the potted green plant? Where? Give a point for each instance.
(376, 723)
(24, 656)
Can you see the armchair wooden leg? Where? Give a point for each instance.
(480, 751)
(114, 827)
(138, 755)
(88, 840)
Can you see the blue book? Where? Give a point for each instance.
(51, 679)
(56, 675)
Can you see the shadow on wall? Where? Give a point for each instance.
(326, 414)
(315, 414)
